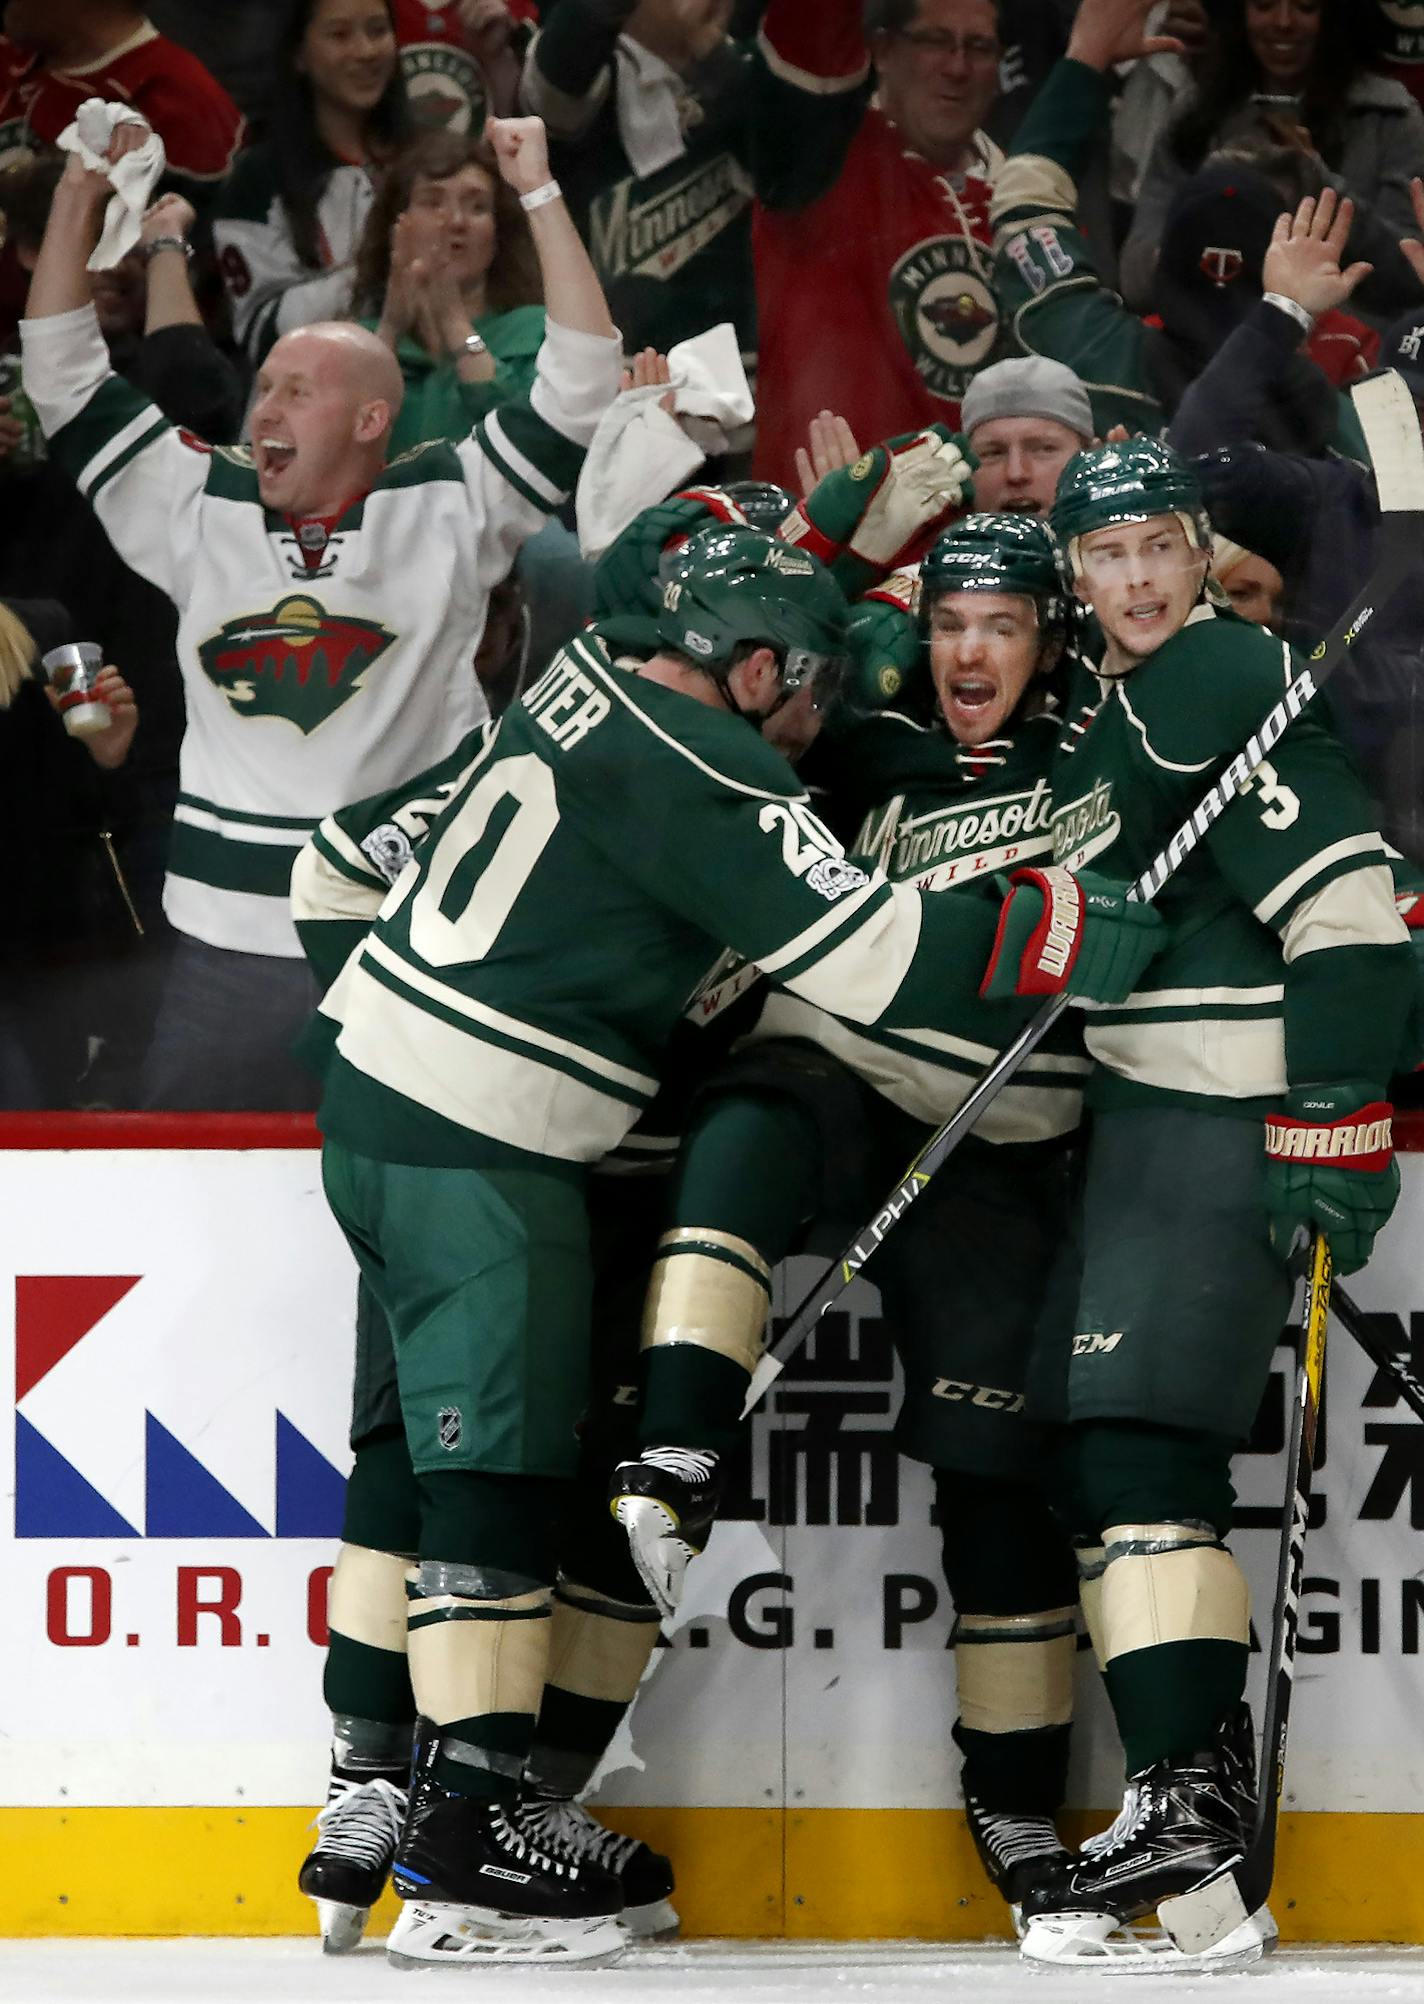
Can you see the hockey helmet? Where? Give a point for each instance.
(731, 587)
(1129, 482)
(1012, 553)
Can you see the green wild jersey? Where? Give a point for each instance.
(342, 878)
(935, 817)
(610, 838)
(1286, 962)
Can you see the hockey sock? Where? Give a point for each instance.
(367, 1675)
(1010, 1572)
(479, 1623)
(598, 1651)
(1173, 1612)
(746, 1181)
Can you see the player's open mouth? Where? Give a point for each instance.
(1143, 615)
(274, 456)
(973, 693)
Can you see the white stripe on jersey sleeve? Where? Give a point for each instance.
(1368, 844)
(1354, 910)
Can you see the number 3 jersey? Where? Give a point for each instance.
(608, 840)
(1286, 962)
(316, 669)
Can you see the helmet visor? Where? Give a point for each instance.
(823, 674)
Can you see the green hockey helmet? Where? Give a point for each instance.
(1012, 553)
(1129, 482)
(731, 588)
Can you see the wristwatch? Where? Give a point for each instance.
(156, 244)
(475, 344)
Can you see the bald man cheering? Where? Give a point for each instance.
(330, 602)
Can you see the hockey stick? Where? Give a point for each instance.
(1353, 1318)
(1204, 1917)
(1391, 428)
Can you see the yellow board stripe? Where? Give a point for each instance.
(822, 1874)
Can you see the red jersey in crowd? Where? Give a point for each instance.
(200, 126)
(442, 78)
(873, 298)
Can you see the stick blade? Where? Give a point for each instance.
(763, 1378)
(1390, 423)
(1198, 1920)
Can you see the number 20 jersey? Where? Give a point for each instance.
(611, 838)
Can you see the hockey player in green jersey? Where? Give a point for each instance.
(1238, 1100)
(947, 788)
(499, 1030)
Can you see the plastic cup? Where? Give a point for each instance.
(71, 672)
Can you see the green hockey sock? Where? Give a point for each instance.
(1020, 1774)
(484, 1755)
(365, 1683)
(1169, 1699)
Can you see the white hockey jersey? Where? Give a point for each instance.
(308, 688)
(269, 289)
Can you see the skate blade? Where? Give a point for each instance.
(426, 1937)
(341, 1926)
(659, 1554)
(1139, 1947)
(657, 1921)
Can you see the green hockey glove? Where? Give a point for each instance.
(864, 520)
(885, 647)
(1330, 1164)
(1058, 931)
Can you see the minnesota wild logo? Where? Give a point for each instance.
(947, 316)
(298, 662)
(444, 85)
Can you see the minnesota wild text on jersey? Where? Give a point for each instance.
(947, 821)
(947, 315)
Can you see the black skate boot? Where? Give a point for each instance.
(666, 1501)
(1017, 1852)
(565, 1829)
(477, 1891)
(346, 1872)
(1181, 1822)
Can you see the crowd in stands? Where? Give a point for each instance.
(1209, 214)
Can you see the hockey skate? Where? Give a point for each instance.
(477, 1891)
(1180, 1823)
(345, 1873)
(565, 1829)
(666, 1501)
(1017, 1852)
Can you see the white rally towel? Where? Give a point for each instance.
(641, 453)
(132, 178)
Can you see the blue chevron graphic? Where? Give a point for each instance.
(311, 1494)
(52, 1499)
(183, 1499)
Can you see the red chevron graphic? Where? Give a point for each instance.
(53, 1312)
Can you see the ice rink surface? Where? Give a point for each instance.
(293, 1972)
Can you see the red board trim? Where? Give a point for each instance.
(158, 1130)
(287, 1130)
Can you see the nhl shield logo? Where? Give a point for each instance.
(947, 316)
(297, 662)
(449, 1427)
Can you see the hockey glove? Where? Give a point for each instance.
(866, 519)
(885, 648)
(1330, 1164)
(1058, 931)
